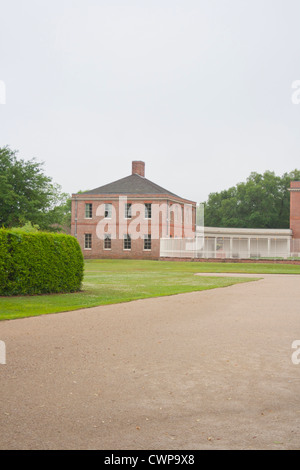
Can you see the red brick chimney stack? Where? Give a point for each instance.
(295, 208)
(138, 168)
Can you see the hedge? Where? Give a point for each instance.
(39, 263)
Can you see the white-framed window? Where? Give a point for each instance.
(127, 211)
(147, 242)
(127, 242)
(148, 210)
(108, 211)
(87, 241)
(88, 210)
(107, 241)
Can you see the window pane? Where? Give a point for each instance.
(88, 240)
(127, 242)
(107, 241)
(147, 242)
(148, 211)
(128, 211)
(88, 211)
(108, 211)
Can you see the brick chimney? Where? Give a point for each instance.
(295, 208)
(138, 168)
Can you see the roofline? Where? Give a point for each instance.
(101, 197)
(154, 185)
(222, 231)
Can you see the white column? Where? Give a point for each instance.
(230, 247)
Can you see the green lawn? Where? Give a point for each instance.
(114, 281)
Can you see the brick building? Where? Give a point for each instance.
(128, 217)
(295, 209)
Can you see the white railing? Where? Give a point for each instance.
(230, 247)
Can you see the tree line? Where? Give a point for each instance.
(263, 201)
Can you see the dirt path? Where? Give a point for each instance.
(207, 370)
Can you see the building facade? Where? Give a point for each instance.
(127, 218)
(295, 209)
(135, 218)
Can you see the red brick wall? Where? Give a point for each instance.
(295, 208)
(117, 252)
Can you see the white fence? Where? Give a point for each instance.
(230, 247)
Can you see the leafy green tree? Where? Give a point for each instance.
(28, 195)
(263, 201)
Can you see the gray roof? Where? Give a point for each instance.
(133, 184)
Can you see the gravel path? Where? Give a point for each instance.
(205, 370)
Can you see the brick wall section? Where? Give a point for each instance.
(295, 208)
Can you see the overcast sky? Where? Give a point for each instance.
(198, 89)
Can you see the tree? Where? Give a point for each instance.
(263, 201)
(28, 195)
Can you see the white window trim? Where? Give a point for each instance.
(127, 249)
(147, 218)
(88, 218)
(147, 249)
(85, 248)
(126, 211)
(108, 218)
(107, 249)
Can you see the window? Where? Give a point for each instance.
(87, 241)
(107, 241)
(148, 211)
(108, 211)
(127, 242)
(88, 211)
(147, 242)
(127, 211)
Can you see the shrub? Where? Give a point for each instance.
(39, 263)
(27, 228)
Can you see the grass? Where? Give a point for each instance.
(114, 281)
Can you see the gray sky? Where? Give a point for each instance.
(198, 89)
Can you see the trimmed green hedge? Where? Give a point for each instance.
(39, 263)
